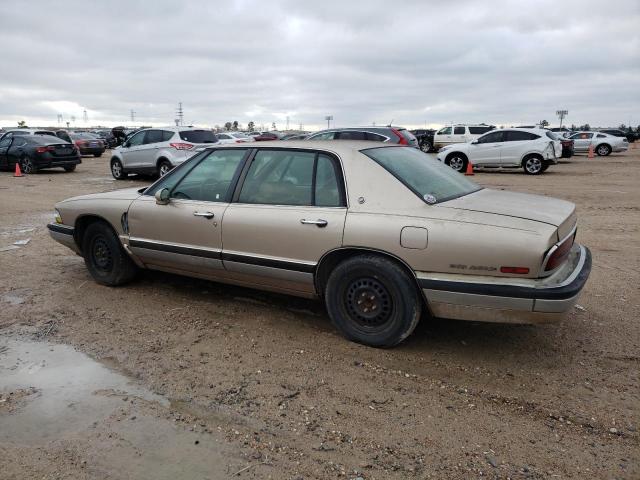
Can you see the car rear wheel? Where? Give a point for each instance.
(603, 150)
(163, 168)
(104, 257)
(70, 168)
(371, 300)
(27, 166)
(457, 161)
(117, 170)
(533, 165)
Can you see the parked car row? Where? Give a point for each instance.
(35, 152)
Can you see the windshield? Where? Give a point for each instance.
(423, 175)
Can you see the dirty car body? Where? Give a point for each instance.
(382, 233)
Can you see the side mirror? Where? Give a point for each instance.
(162, 196)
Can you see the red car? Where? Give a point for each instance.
(266, 136)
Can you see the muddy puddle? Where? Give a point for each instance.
(52, 393)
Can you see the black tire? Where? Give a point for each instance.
(458, 161)
(533, 164)
(27, 166)
(390, 305)
(70, 168)
(545, 166)
(97, 155)
(426, 146)
(603, 150)
(117, 170)
(104, 257)
(164, 167)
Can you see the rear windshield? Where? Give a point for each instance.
(421, 174)
(480, 130)
(198, 136)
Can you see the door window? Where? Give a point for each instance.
(137, 139)
(516, 136)
(582, 136)
(210, 180)
(351, 135)
(323, 136)
(444, 131)
(459, 131)
(279, 177)
(6, 141)
(327, 191)
(153, 136)
(166, 135)
(492, 137)
(376, 138)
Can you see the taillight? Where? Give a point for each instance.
(559, 254)
(403, 141)
(181, 146)
(81, 142)
(516, 270)
(45, 149)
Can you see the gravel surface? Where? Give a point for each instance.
(291, 399)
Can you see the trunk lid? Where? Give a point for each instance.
(552, 211)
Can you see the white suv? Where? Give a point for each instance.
(533, 149)
(459, 134)
(158, 150)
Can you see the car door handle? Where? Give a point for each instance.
(320, 223)
(203, 214)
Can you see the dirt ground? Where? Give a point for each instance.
(266, 380)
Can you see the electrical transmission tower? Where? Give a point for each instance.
(180, 113)
(133, 116)
(85, 117)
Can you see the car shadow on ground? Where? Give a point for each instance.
(431, 334)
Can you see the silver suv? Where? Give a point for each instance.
(157, 150)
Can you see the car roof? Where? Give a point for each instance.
(339, 147)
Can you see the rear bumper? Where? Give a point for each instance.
(91, 150)
(63, 234)
(56, 162)
(508, 300)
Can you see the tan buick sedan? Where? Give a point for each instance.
(383, 233)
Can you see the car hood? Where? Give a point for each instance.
(123, 194)
(552, 211)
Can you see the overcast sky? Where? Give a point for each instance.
(414, 63)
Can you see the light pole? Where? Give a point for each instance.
(328, 118)
(561, 114)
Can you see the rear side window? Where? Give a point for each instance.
(459, 131)
(351, 135)
(44, 132)
(491, 137)
(479, 130)
(516, 136)
(224, 136)
(198, 136)
(167, 135)
(153, 136)
(375, 137)
(327, 192)
(552, 136)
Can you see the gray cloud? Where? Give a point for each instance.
(413, 62)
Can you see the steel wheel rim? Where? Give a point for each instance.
(164, 169)
(101, 254)
(456, 163)
(116, 169)
(368, 303)
(534, 165)
(602, 150)
(425, 147)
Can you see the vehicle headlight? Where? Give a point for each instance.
(57, 216)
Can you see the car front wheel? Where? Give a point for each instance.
(117, 170)
(457, 161)
(372, 300)
(104, 257)
(533, 165)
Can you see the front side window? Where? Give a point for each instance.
(210, 180)
(444, 131)
(323, 136)
(422, 174)
(6, 141)
(137, 139)
(459, 131)
(279, 177)
(224, 136)
(492, 137)
(602, 136)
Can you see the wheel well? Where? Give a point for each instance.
(162, 159)
(115, 157)
(83, 223)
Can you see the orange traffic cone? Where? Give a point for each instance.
(469, 169)
(18, 171)
(590, 152)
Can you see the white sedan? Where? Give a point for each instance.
(532, 149)
(233, 137)
(603, 143)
